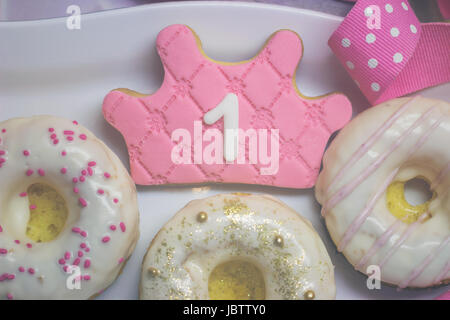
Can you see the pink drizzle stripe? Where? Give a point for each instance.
(379, 243)
(362, 150)
(421, 267)
(357, 223)
(349, 187)
(441, 276)
(402, 238)
(361, 218)
(440, 177)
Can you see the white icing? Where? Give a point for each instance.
(101, 210)
(185, 251)
(228, 108)
(412, 143)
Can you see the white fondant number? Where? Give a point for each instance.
(228, 108)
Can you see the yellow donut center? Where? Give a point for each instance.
(48, 213)
(236, 280)
(400, 207)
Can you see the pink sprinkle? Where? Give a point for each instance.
(23, 194)
(26, 153)
(121, 260)
(75, 122)
(11, 276)
(3, 130)
(76, 190)
(87, 263)
(83, 172)
(90, 171)
(80, 254)
(67, 255)
(33, 206)
(41, 172)
(56, 141)
(87, 250)
(107, 175)
(123, 227)
(31, 271)
(29, 245)
(63, 170)
(69, 138)
(82, 179)
(76, 230)
(106, 239)
(51, 129)
(3, 277)
(62, 261)
(75, 180)
(76, 262)
(92, 164)
(100, 191)
(21, 269)
(82, 202)
(1, 229)
(83, 136)
(83, 234)
(87, 277)
(29, 172)
(3, 251)
(68, 132)
(2, 152)
(53, 136)
(2, 160)
(112, 227)
(66, 268)
(116, 200)
(63, 153)
(10, 296)
(17, 241)
(83, 245)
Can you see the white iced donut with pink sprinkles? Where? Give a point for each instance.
(362, 192)
(68, 211)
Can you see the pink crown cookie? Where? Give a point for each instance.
(226, 122)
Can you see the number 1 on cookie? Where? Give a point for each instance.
(228, 108)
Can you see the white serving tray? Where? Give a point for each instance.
(47, 69)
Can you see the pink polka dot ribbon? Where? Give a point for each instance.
(388, 52)
(444, 7)
(444, 296)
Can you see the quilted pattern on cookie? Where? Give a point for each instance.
(194, 84)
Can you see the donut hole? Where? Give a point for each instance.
(417, 191)
(408, 200)
(48, 213)
(236, 280)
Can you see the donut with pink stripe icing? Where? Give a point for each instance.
(100, 229)
(361, 190)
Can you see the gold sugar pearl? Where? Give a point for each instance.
(153, 271)
(309, 295)
(202, 217)
(278, 241)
